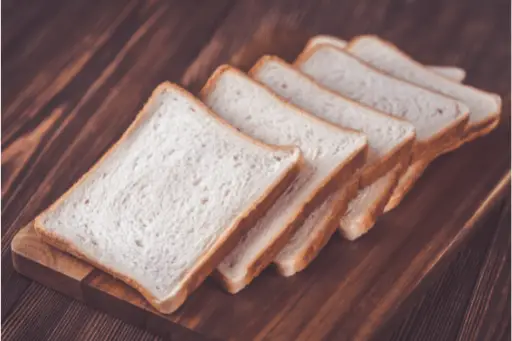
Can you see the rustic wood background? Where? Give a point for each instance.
(76, 72)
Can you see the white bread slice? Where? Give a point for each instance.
(405, 183)
(484, 107)
(315, 232)
(332, 155)
(168, 201)
(451, 72)
(364, 210)
(439, 121)
(390, 140)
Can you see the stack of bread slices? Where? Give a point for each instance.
(264, 167)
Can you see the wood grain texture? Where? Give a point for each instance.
(76, 72)
(471, 300)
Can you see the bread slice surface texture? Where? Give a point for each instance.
(170, 198)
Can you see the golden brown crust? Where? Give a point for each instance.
(322, 235)
(481, 129)
(370, 173)
(214, 255)
(339, 176)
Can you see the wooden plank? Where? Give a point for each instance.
(457, 306)
(47, 265)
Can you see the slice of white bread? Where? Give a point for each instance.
(315, 232)
(484, 107)
(406, 182)
(439, 121)
(364, 210)
(332, 155)
(451, 72)
(389, 139)
(170, 199)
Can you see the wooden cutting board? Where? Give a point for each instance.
(348, 293)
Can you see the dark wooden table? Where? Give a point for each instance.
(75, 73)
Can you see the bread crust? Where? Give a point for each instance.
(214, 255)
(449, 135)
(322, 235)
(374, 211)
(339, 176)
(370, 173)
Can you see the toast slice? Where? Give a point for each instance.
(170, 199)
(451, 72)
(315, 232)
(364, 210)
(405, 183)
(484, 107)
(332, 155)
(389, 139)
(439, 121)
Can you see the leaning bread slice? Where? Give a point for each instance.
(484, 107)
(389, 138)
(439, 121)
(405, 183)
(332, 155)
(173, 196)
(364, 210)
(315, 232)
(389, 141)
(451, 72)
